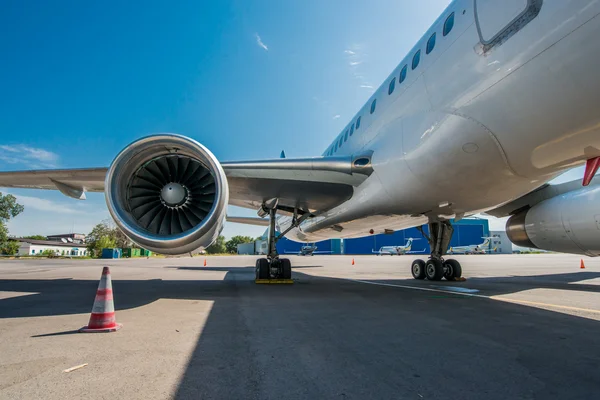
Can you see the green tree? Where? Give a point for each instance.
(9, 208)
(218, 247)
(9, 248)
(231, 244)
(48, 253)
(102, 236)
(35, 237)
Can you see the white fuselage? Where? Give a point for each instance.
(503, 103)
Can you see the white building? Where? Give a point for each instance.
(34, 247)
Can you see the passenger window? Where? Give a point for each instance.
(373, 105)
(392, 86)
(416, 59)
(351, 129)
(403, 73)
(358, 123)
(449, 24)
(346, 135)
(430, 44)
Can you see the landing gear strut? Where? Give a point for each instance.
(436, 268)
(274, 267)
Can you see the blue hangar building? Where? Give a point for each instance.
(467, 231)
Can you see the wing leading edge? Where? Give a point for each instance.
(310, 184)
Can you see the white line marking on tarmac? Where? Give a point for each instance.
(456, 289)
(7, 295)
(420, 288)
(497, 298)
(535, 303)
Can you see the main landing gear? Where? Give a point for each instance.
(436, 268)
(274, 267)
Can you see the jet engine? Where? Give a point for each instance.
(168, 193)
(568, 223)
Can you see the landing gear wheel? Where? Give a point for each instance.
(434, 269)
(262, 268)
(418, 269)
(286, 268)
(452, 269)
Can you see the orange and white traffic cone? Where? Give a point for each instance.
(353, 261)
(582, 265)
(103, 311)
(205, 262)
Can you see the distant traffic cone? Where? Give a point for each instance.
(582, 265)
(205, 262)
(353, 261)
(103, 311)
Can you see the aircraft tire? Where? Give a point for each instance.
(262, 269)
(418, 269)
(453, 269)
(434, 270)
(286, 268)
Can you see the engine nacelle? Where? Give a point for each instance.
(568, 223)
(168, 194)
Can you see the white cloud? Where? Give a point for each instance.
(336, 116)
(260, 42)
(30, 156)
(356, 57)
(39, 204)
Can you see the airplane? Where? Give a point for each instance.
(396, 250)
(502, 94)
(308, 250)
(471, 249)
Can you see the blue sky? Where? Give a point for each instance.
(81, 80)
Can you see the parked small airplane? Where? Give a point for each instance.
(397, 250)
(308, 250)
(472, 248)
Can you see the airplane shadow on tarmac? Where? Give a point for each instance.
(327, 337)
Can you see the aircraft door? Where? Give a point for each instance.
(494, 16)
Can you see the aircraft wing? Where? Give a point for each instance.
(309, 184)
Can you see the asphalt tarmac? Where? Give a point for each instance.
(520, 327)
